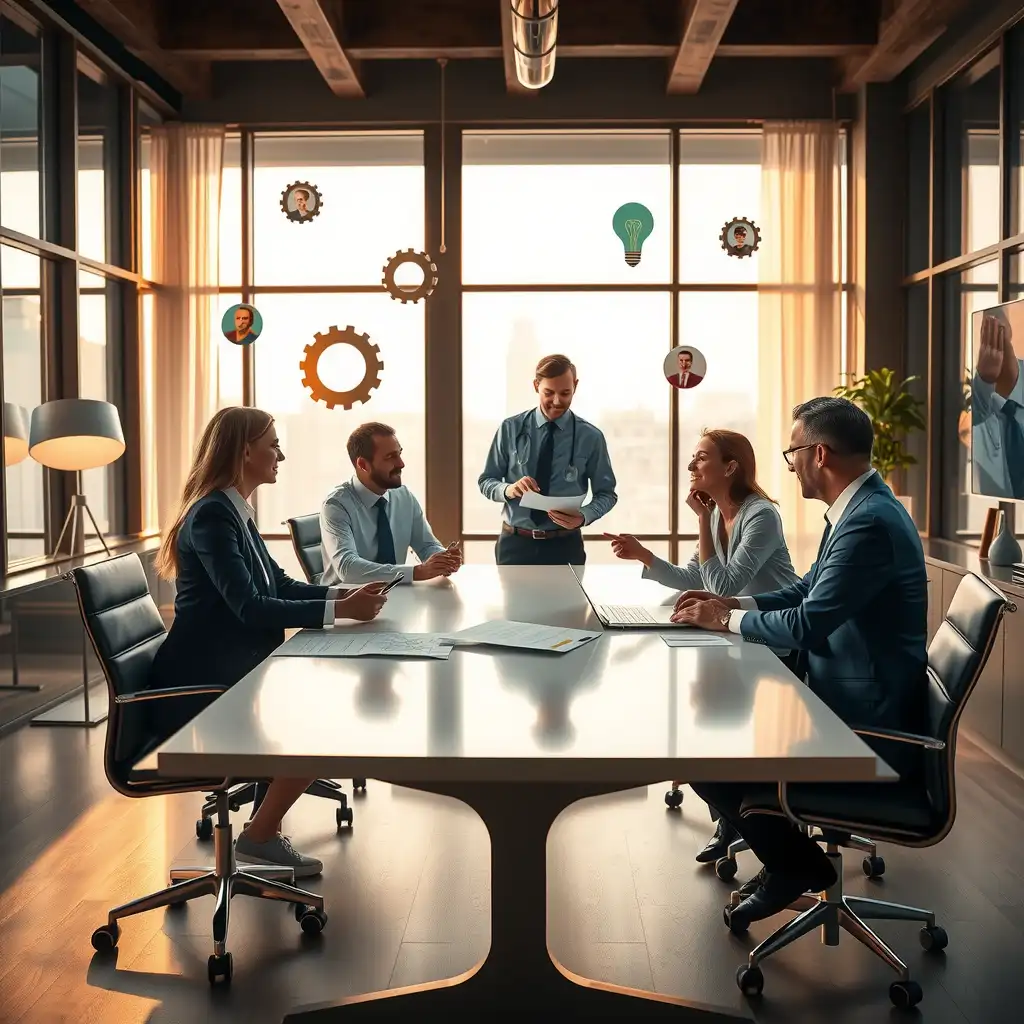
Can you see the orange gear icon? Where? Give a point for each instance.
(362, 344)
(402, 292)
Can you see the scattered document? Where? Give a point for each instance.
(695, 640)
(527, 636)
(544, 503)
(316, 643)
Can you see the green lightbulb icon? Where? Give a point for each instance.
(633, 223)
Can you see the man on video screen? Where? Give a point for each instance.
(997, 405)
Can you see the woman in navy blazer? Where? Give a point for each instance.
(233, 602)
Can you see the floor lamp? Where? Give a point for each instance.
(15, 451)
(73, 435)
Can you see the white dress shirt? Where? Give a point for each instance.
(348, 532)
(246, 513)
(834, 515)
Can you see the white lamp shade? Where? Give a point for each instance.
(75, 434)
(15, 434)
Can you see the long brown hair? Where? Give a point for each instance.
(216, 465)
(734, 447)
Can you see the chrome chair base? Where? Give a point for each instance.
(832, 912)
(223, 880)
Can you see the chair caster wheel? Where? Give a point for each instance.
(234, 805)
(313, 921)
(905, 994)
(358, 785)
(204, 828)
(343, 816)
(104, 939)
(674, 799)
(736, 923)
(750, 980)
(725, 868)
(933, 938)
(219, 969)
(874, 867)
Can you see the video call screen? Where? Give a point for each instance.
(996, 399)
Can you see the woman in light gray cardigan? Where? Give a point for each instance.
(741, 548)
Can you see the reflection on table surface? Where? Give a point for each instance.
(623, 705)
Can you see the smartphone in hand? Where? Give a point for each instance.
(391, 584)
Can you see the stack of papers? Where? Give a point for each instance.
(328, 643)
(527, 636)
(695, 640)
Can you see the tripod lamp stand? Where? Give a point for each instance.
(75, 434)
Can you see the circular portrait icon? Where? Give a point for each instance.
(301, 202)
(685, 367)
(241, 324)
(740, 237)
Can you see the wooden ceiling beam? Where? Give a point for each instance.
(135, 23)
(704, 24)
(318, 29)
(907, 29)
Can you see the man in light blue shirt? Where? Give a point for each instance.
(551, 451)
(368, 524)
(997, 406)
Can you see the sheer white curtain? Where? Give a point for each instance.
(799, 305)
(186, 162)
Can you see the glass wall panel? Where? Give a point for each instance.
(24, 280)
(98, 190)
(20, 114)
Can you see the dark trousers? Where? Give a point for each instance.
(563, 549)
(776, 842)
(792, 661)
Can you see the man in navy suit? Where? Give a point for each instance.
(859, 619)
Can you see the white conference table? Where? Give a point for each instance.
(520, 736)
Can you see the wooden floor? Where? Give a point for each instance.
(407, 894)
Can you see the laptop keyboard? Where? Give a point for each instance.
(626, 613)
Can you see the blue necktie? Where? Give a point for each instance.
(385, 538)
(1014, 442)
(543, 474)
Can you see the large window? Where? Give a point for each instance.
(79, 207)
(309, 278)
(24, 277)
(974, 214)
(543, 272)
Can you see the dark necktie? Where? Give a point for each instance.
(1014, 447)
(821, 547)
(385, 538)
(543, 474)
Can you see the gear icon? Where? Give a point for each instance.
(314, 202)
(406, 293)
(743, 223)
(318, 391)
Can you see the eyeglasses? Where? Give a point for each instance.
(788, 453)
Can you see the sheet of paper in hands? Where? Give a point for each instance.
(527, 636)
(330, 643)
(544, 503)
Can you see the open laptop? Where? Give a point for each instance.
(632, 616)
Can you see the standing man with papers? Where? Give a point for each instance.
(548, 453)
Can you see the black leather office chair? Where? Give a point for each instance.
(124, 625)
(305, 534)
(915, 814)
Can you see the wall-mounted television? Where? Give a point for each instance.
(997, 402)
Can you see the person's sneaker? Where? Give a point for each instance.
(277, 852)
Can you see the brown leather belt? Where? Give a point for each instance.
(538, 534)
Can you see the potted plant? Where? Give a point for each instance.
(894, 413)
